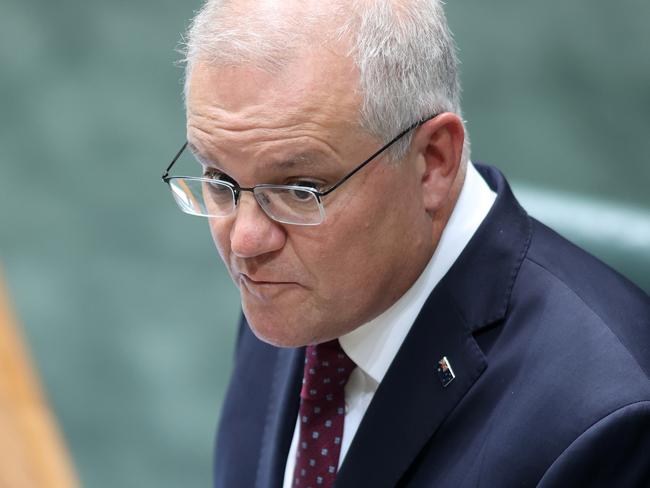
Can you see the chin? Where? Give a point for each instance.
(277, 337)
(283, 331)
(276, 330)
(290, 323)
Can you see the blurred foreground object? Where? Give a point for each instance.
(32, 453)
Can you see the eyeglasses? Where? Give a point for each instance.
(287, 204)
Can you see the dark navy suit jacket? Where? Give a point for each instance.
(551, 352)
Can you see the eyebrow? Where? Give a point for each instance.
(302, 160)
(305, 159)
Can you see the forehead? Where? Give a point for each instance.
(316, 92)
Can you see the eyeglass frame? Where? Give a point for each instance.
(237, 189)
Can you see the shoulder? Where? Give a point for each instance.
(611, 452)
(587, 299)
(568, 368)
(579, 334)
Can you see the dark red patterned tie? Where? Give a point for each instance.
(322, 411)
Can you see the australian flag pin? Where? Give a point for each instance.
(445, 373)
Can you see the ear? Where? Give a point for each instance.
(439, 146)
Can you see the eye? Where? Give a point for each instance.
(218, 175)
(306, 184)
(301, 195)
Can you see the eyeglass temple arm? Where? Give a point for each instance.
(165, 175)
(377, 153)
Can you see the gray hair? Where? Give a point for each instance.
(403, 49)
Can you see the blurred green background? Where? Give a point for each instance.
(126, 307)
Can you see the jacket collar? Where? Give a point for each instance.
(482, 278)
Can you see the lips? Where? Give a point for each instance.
(263, 290)
(263, 281)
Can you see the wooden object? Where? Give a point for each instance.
(32, 453)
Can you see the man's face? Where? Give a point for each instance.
(307, 284)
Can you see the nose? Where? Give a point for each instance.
(254, 233)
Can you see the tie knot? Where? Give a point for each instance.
(327, 369)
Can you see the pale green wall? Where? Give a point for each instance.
(126, 307)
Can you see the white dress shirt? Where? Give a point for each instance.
(374, 345)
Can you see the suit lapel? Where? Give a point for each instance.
(411, 402)
(281, 415)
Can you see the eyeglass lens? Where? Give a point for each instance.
(209, 198)
(290, 205)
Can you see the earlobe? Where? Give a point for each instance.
(440, 145)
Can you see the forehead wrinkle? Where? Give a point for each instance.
(265, 120)
(301, 161)
(261, 139)
(272, 105)
(289, 158)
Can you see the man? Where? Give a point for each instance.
(406, 323)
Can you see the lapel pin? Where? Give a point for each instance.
(445, 373)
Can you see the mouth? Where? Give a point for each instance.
(264, 288)
(260, 281)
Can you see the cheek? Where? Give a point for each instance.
(370, 238)
(347, 258)
(349, 279)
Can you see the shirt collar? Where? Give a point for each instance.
(374, 345)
